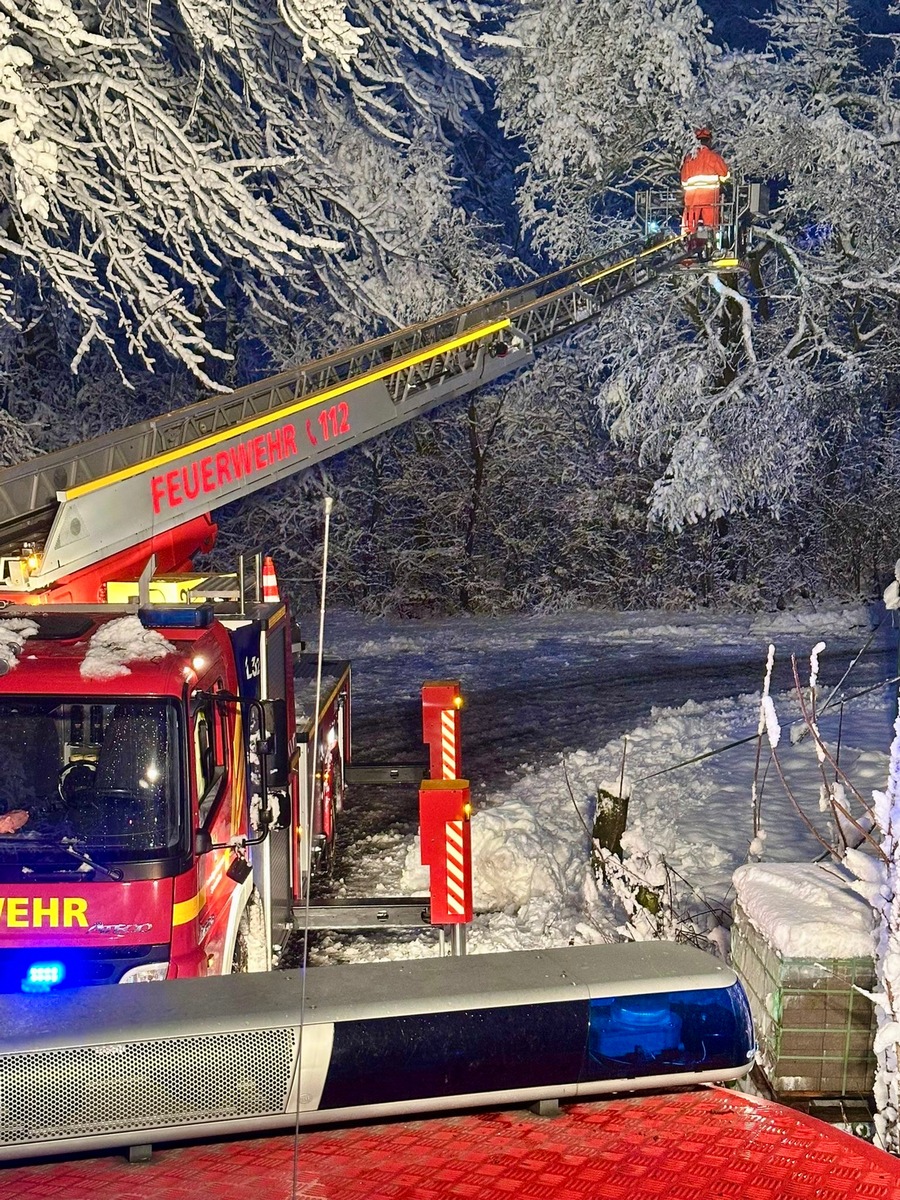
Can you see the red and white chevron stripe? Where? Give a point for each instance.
(456, 874)
(449, 769)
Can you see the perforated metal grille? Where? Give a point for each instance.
(141, 1085)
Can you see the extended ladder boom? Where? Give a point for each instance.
(97, 499)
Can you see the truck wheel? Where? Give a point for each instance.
(250, 952)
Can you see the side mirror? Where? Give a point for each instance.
(203, 842)
(239, 869)
(275, 758)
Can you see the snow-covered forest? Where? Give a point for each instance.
(196, 195)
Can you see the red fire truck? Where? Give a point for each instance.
(160, 812)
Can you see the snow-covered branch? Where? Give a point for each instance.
(154, 163)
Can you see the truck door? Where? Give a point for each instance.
(217, 791)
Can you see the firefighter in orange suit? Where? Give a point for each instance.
(702, 176)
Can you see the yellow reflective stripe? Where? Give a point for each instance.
(704, 181)
(186, 910)
(629, 262)
(239, 775)
(278, 414)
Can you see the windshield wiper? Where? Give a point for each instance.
(112, 872)
(66, 844)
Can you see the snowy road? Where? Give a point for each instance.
(541, 688)
(536, 688)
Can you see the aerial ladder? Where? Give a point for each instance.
(73, 519)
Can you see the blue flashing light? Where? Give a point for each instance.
(669, 1032)
(653, 226)
(42, 976)
(177, 616)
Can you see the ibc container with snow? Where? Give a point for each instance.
(802, 945)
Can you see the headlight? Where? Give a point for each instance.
(148, 973)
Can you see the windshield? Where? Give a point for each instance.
(104, 774)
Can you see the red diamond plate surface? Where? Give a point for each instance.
(704, 1145)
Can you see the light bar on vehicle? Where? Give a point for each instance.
(666, 1032)
(246, 1053)
(177, 616)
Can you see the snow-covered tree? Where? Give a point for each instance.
(273, 184)
(736, 385)
(603, 96)
(164, 163)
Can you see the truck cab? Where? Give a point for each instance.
(151, 823)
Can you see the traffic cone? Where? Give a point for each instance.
(269, 582)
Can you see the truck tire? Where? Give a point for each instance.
(250, 953)
(241, 955)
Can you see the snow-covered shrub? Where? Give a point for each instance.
(878, 876)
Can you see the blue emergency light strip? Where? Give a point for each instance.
(578, 1042)
(378, 1040)
(177, 616)
(42, 976)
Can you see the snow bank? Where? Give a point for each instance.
(359, 636)
(530, 863)
(806, 910)
(690, 804)
(521, 851)
(831, 619)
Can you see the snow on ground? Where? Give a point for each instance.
(691, 788)
(360, 637)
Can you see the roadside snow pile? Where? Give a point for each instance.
(699, 815)
(119, 642)
(358, 636)
(533, 881)
(533, 884)
(523, 849)
(806, 910)
(511, 862)
(831, 619)
(13, 633)
(694, 816)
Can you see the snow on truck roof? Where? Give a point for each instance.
(82, 651)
